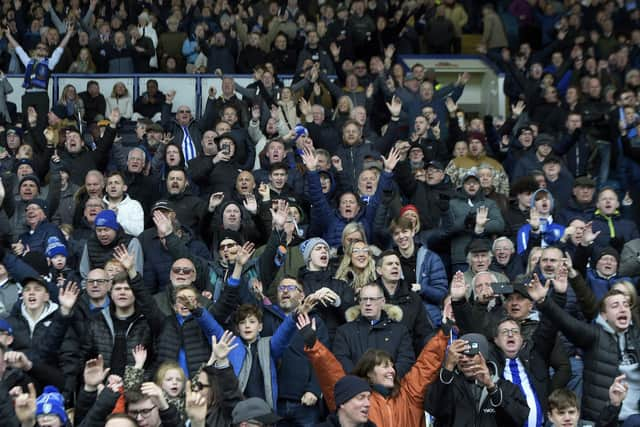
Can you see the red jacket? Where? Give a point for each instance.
(406, 408)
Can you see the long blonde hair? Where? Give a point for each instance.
(347, 273)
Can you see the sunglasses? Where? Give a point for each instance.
(182, 270)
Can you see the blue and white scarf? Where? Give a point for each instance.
(515, 373)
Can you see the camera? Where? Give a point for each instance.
(502, 288)
(474, 348)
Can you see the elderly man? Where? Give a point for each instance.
(505, 260)
(371, 324)
(187, 132)
(138, 182)
(40, 229)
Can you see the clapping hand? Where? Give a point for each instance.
(537, 291)
(458, 288)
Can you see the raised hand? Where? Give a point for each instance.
(392, 160)
(309, 159)
(94, 373)
(458, 288)
(127, 260)
(162, 223)
(305, 107)
(280, 214)
(212, 92)
(454, 352)
(618, 390)
(67, 297)
(482, 374)
(334, 49)
(170, 96)
(25, 406)
(114, 117)
(256, 288)
(537, 291)
(155, 393)
(482, 216)
(336, 162)
(395, 106)
(221, 348)
(534, 219)
(139, 355)
(463, 79)
(308, 304)
(255, 113)
(250, 204)
(588, 237)
(195, 404)
(264, 192)
(561, 281)
(518, 108)
(245, 253)
(451, 105)
(215, 200)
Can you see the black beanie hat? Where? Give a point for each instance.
(348, 387)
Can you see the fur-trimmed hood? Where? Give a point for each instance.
(392, 312)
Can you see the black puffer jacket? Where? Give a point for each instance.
(332, 316)
(601, 357)
(357, 336)
(100, 336)
(23, 339)
(414, 315)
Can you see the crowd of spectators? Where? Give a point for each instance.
(353, 249)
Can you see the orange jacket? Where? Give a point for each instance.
(403, 410)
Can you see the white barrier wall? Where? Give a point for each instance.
(483, 94)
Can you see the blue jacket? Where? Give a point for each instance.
(549, 237)
(613, 227)
(599, 285)
(330, 219)
(434, 286)
(37, 241)
(295, 374)
(278, 344)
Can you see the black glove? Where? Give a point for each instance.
(309, 336)
(470, 221)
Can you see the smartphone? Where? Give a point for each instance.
(225, 148)
(474, 349)
(502, 288)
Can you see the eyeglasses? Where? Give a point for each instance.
(198, 386)
(509, 332)
(182, 270)
(360, 250)
(144, 413)
(370, 299)
(97, 281)
(227, 246)
(184, 111)
(288, 288)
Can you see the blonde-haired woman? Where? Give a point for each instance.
(357, 266)
(72, 102)
(121, 100)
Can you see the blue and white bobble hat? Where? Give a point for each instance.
(55, 247)
(51, 402)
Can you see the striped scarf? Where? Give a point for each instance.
(515, 373)
(188, 147)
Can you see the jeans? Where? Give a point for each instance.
(295, 414)
(575, 382)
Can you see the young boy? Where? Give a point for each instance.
(540, 229)
(564, 408)
(57, 256)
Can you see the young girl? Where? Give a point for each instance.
(169, 376)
